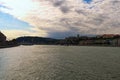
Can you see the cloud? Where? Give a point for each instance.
(2, 6)
(60, 18)
(58, 2)
(64, 9)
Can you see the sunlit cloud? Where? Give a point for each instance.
(12, 34)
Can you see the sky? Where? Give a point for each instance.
(59, 18)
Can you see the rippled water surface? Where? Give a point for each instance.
(60, 63)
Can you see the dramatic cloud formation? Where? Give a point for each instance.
(60, 18)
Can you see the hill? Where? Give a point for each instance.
(28, 40)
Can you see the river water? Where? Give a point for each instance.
(43, 62)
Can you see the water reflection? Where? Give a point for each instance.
(59, 63)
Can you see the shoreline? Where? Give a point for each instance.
(10, 46)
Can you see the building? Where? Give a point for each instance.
(2, 38)
(108, 35)
(116, 42)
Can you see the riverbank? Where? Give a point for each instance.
(8, 46)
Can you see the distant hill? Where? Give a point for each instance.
(28, 40)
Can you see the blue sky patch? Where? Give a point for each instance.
(7, 21)
(87, 1)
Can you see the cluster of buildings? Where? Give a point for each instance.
(99, 40)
